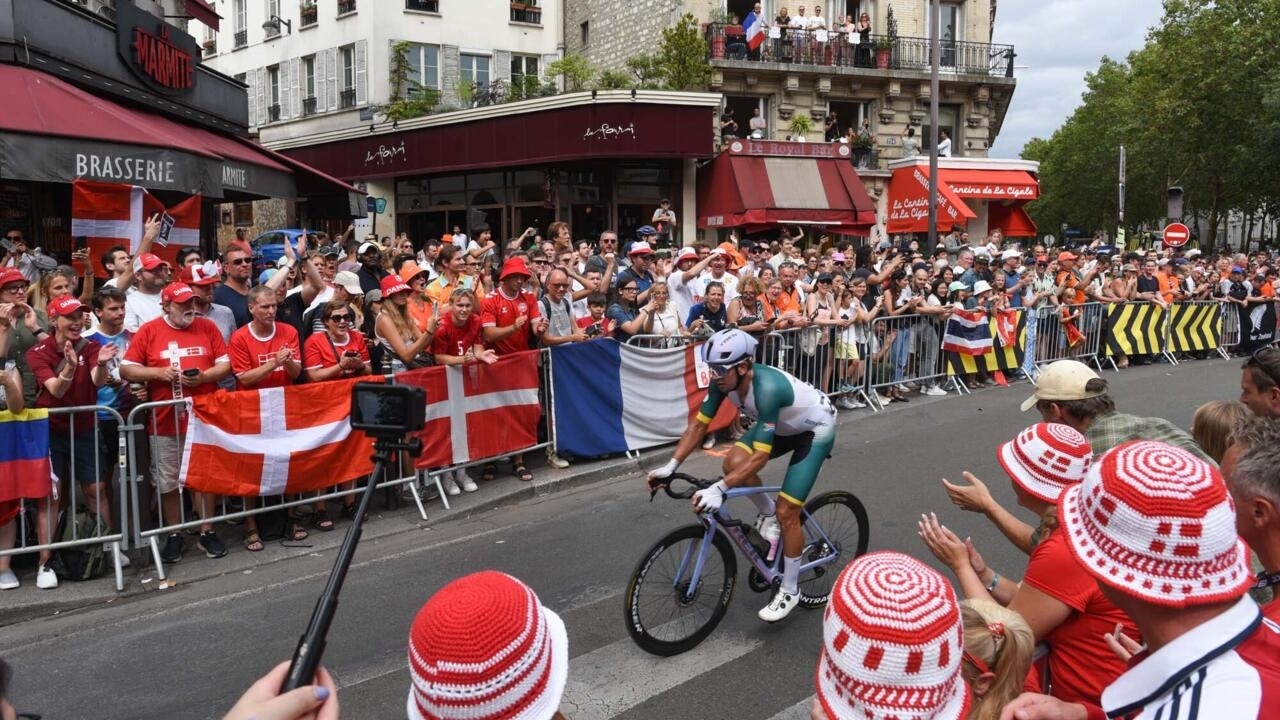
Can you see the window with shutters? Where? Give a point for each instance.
(273, 9)
(273, 93)
(474, 69)
(347, 93)
(308, 85)
(424, 68)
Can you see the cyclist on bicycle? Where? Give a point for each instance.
(790, 416)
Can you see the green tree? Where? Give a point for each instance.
(682, 56)
(409, 98)
(613, 80)
(647, 70)
(575, 70)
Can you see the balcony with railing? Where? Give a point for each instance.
(273, 113)
(347, 98)
(431, 6)
(209, 47)
(789, 47)
(346, 7)
(308, 106)
(241, 39)
(526, 12)
(308, 13)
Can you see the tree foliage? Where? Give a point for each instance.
(575, 70)
(409, 99)
(682, 56)
(1197, 106)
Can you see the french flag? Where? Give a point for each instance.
(612, 398)
(968, 332)
(755, 30)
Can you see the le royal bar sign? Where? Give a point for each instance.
(161, 55)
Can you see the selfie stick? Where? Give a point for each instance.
(306, 658)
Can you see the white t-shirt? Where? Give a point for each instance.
(140, 307)
(460, 239)
(681, 292)
(729, 281)
(944, 148)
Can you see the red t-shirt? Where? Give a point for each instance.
(43, 357)
(1272, 610)
(498, 310)
(456, 341)
(318, 352)
(158, 344)
(1080, 664)
(606, 325)
(248, 352)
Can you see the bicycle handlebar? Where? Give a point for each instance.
(664, 484)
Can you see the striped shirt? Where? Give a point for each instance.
(1228, 667)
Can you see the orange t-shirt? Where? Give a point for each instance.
(1167, 286)
(1266, 290)
(1071, 280)
(788, 302)
(1080, 664)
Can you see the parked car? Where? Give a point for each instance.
(268, 247)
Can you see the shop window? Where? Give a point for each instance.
(244, 214)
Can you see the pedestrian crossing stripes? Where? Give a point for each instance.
(1194, 326)
(1135, 329)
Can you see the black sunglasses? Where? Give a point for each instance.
(1267, 360)
(340, 318)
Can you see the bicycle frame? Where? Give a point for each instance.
(734, 529)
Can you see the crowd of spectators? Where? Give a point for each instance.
(846, 314)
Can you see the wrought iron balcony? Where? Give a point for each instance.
(273, 113)
(821, 48)
(309, 106)
(241, 38)
(526, 12)
(346, 6)
(347, 98)
(308, 13)
(432, 6)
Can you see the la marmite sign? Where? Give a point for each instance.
(161, 55)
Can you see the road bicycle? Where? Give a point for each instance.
(682, 587)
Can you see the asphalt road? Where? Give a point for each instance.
(189, 652)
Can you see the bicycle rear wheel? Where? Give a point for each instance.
(665, 613)
(843, 520)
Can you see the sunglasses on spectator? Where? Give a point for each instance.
(1267, 359)
(12, 237)
(340, 318)
(719, 371)
(241, 261)
(560, 285)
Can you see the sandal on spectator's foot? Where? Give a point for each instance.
(320, 521)
(489, 472)
(522, 473)
(253, 542)
(349, 511)
(296, 532)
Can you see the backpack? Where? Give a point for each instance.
(81, 562)
(545, 302)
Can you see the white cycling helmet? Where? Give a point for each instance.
(728, 347)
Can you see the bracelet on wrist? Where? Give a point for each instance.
(995, 580)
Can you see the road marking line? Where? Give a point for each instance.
(799, 711)
(605, 683)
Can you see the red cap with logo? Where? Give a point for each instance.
(147, 261)
(176, 292)
(63, 306)
(12, 275)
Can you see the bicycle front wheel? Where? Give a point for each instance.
(844, 535)
(669, 612)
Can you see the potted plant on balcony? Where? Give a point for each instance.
(883, 47)
(210, 44)
(801, 123)
(309, 12)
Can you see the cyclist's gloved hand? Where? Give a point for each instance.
(664, 472)
(711, 499)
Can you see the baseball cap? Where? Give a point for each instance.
(1010, 254)
(348, 280)
(206, 273)
(367, 246)
(392, 285)
(1065, 255)
(12, 275)
(956, 286)
(837, 257)
(687, 253)
(1063, 380)
(63, 306)
(147, 261)
(825, 277)
(982, 259)
(485, 646)
(178, 292)
(1237, 269)
(1154, 522)
(330, 251)
(640, 247)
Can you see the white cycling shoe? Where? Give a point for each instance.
(780, 606)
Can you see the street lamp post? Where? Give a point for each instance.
(935, 13)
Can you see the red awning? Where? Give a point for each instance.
(991, 184)
(1012, 219)
(748, 190)
(909, 202)
(204, 12)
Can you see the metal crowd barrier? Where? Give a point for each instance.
(67, 494)
(1052, 339)
(659, 342)
(906, 350)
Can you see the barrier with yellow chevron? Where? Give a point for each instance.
(1136, 328)
(1194, 326)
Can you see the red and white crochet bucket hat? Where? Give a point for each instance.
(485, 647)
(1046, 458)
(891, 643)
(1156, 523)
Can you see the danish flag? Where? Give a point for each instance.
(114, 214)
(275, 440)
(478, 411)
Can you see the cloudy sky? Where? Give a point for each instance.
(1059, 42)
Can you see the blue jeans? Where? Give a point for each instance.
(901, 353)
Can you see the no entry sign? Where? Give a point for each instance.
(1176, 235)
